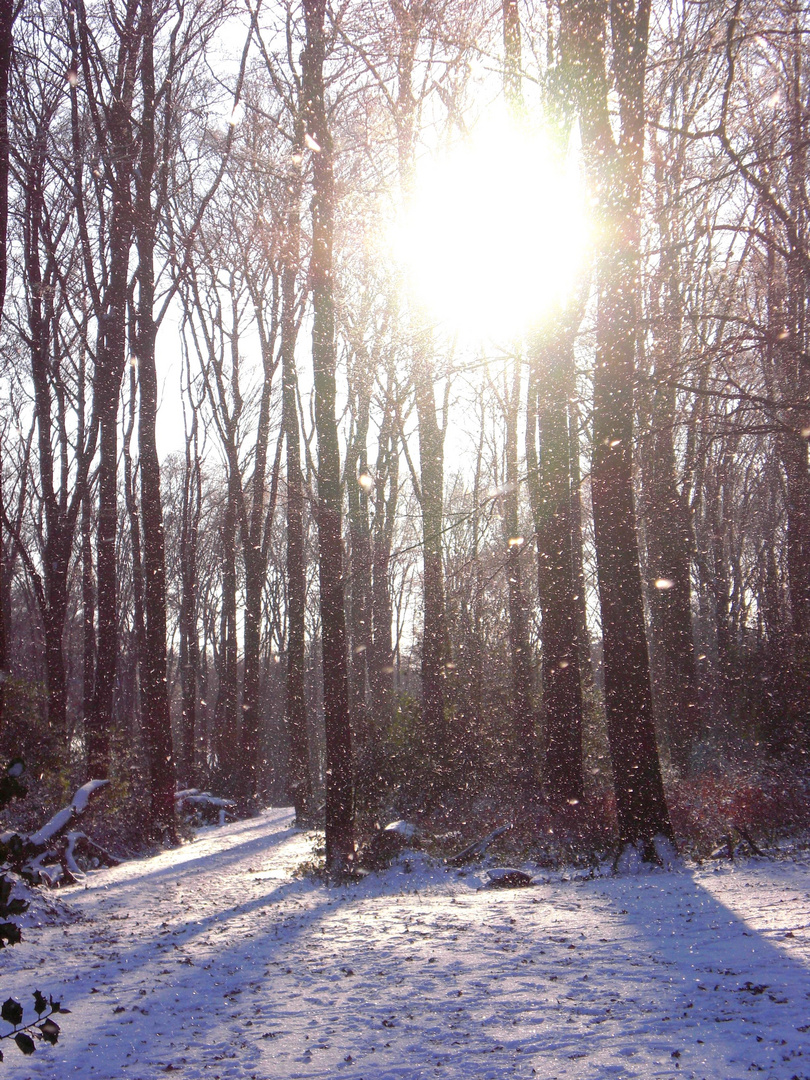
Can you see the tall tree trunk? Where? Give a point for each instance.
(299, 780)
(381, 660)
(410, 20)
(339, 796)
(666, 509)
(434, 625)
(255, 546)
(53, 594)
(358, 482)
(523, 716)
(227, 732)
(562, 690)
(615, 174)
(154, 681)
(88, 606)
(110, 363)
(7, 14)
(134, 713)
(668, 538)
(113, 128)
(189, 638)
(793, 442)
(577, 544)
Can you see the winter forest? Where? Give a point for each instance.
(405, 414)
(404, 480)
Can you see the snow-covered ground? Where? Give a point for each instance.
(213, 962)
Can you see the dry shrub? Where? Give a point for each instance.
(767, 805)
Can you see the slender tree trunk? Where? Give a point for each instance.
(254, 550)
(669, 573)
(112, 119)
(577, 547)
(88, 605)
(154, 683)
(299, 780)
(227, 734)
(189, 640)
(358, 482)
(523, 716)
(793, 443)
(339, 796)
(666, 509)
(7, 14)
(136, 552)
(381, 661)
(410, 20)
(110, 365)
(53, 594)
(434, 626)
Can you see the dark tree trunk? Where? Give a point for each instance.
(358, 482)
(113, 128)
(668, 537)
(189, 640)
(562, 691)
(255, 546)
(523, 716)
(666, 508)
(7, 14)
(299, 780)
(577, 547)
(339, 801)
(381, 660)
(132, 710)
(227, 733)
(88, 606)
(53, 592)
(615, 174)
(410, 20)
(434, 631)
(154, 683)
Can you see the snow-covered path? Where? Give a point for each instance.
(212, 962)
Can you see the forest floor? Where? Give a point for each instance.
(215, 961)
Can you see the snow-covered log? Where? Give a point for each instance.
(476, 850)
(62, 819)
(203, 808)
(48, 856)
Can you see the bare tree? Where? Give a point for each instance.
(614, 165)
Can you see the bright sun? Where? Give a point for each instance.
(495, 234)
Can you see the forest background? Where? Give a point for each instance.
(521, 536)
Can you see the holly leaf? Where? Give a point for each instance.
(50, 1031)
(40, 1004)
(11, 1011)
(25, 1042)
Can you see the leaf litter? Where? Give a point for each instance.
(217, 961)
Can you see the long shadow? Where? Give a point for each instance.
(722, 970)
(230, 955)
(704, 980)
(223, 858)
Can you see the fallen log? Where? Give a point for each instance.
(203, 808)
(476, 850)
(48, 856)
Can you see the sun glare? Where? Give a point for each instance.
(495, 234)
